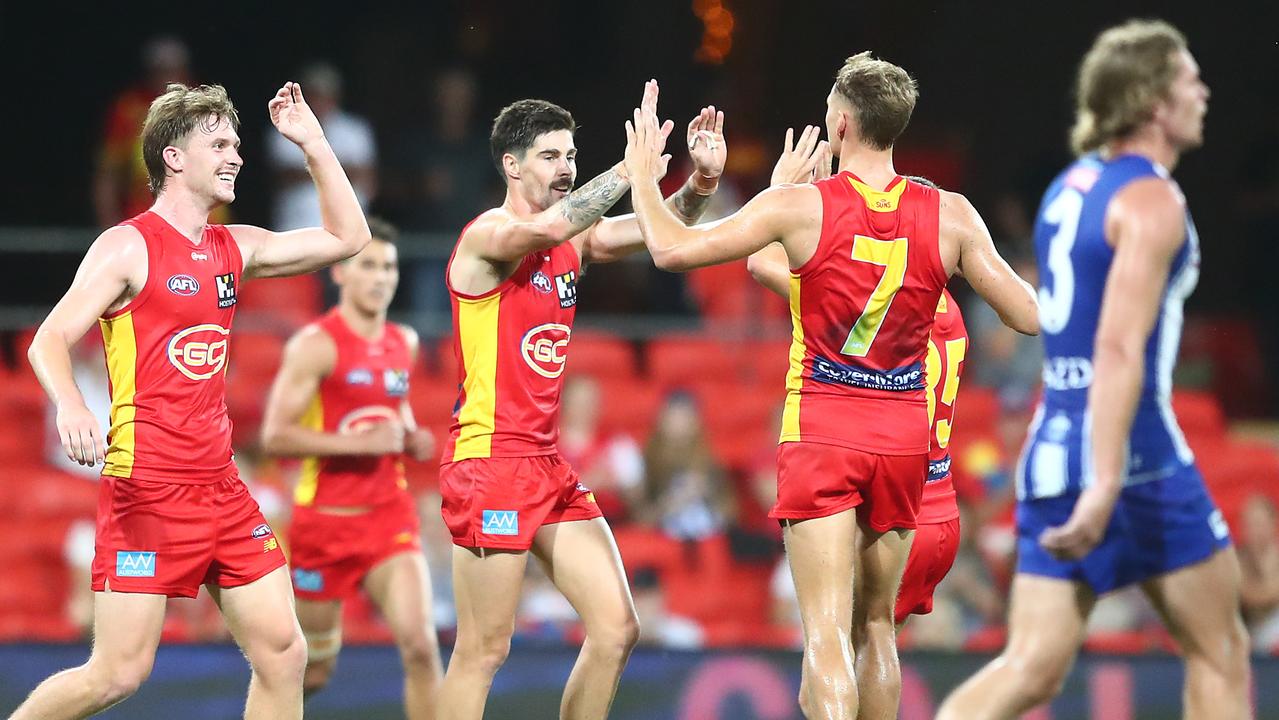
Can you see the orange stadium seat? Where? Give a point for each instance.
(601, 355)
(629, 406)
(686, 360)
(281, 303)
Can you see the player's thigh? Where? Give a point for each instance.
(400, 586)
(1200, 603)
(581, 558)
(1047, 617)
(878, 567)
(821, 552)
(319, 617)
(486, 587)
(260, 614)
(126, 630)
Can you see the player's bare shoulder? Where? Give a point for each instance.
(1151, 209)
(117, 258)
(959, 226)
(312, 349)
(410, 336)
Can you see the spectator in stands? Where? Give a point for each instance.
(120, 179)
(609, 463)
(685, 491)
(1258, 548)
(441, 179)
(296, 202)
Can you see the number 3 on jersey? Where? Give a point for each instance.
(955, 351)
(1055, 302)
(890, 255)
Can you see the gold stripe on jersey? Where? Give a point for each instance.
(309, 479)
(477, 328)
(121, 345)
(795, 375)
(880, 200)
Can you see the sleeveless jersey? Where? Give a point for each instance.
(511, 344)
(861, 310)
(1074, 260)
(947, 348)
(368, 384)
(166, 357)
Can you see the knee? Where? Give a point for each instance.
(1226, 654)
(121, 678)
(1039, 679)
(484, 654)
(419, 648)
(616, 638)
(281, 657)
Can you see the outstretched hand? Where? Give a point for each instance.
(806, 161)
(293, 117)
(706, 146)
(646, 139)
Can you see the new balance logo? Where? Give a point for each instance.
(226, 290)
(131, 563)
(501, 522)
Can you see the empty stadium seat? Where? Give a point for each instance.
(601, 356)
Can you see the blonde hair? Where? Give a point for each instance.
(1128, 70)
(174, 115)
(882, 95)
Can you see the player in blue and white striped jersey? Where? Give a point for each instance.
(1108, 492)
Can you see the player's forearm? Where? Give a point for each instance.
(50, 357)
(663, 233)
(771, 268)
(689, 203)
(297, 441)
(582, 207)
(340, 211)
(1112, 403)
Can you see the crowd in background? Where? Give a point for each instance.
(691, 520)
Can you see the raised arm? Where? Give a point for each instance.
(309, 357)
(800, 162)
(1145, 223)
(617, 237)
(344, 231)
(980, 263)
(113, 272)
(782, 213)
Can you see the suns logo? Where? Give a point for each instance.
(199, 352)
(543, 348)
(360, 419)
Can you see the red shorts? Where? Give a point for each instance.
(502, 502)
(818, 480)
(169, 539)
(931, 556)
(331, 554)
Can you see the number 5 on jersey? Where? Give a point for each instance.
(890, 255)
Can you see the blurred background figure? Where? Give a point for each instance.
(120, 178)
(296, 202)
(608, 461)
(1258, 547)
(686, 494)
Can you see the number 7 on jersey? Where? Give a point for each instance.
(890, 255)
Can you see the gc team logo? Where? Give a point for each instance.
(199, 352)
(360, 419)
(543, 349)
(183, 285)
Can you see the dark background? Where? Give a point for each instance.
(994, 77)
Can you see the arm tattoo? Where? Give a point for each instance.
(589, 202)
(688, 205)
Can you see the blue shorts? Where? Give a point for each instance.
(1157, 527)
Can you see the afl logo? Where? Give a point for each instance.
(360, 419)
(543, 348)
(183, 285)
(199, 352)
(541, 282)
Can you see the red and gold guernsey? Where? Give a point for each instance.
(368, 385)
(166, 359)
(945, 364)
(861, 310)
(511, 344)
